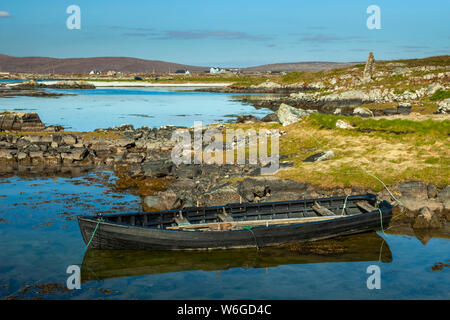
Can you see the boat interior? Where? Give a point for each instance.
(241, 215)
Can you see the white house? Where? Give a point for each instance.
(214, 70)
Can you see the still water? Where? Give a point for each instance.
(89, 109)
(40, 236)
(40, 239)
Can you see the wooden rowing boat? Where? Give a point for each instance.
(236, 225)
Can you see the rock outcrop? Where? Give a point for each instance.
(289, 115)
(20, 121)
(444, 106)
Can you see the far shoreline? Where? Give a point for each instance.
(140, 84)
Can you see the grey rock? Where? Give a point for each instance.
(271, 117)
(415, 189)
(444, 106)
(444, 195)
(426, 219)
(404, 108)
(432, 191)
(321, 156)
(222, 195)
(363, 112)
(268, 186)
(68, 139)
(157, 168)
(290, 115)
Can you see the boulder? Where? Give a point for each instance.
(246, 119)
(68, 139)
(444, 195)
(414, 189)
(270, 187)
(432, 88)
(404, 108)
(189, 171)
(271, 117)
(321, 156)
(444, 106)
(432, 191)
(157, 168)
(20, 121)
(289, 115)
(426, 219)
(342, 124)
(166, 200)
(363, 112)
(222, 195)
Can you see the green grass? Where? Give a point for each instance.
(440, 95)
(429, 128)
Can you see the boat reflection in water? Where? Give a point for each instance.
(105, 264)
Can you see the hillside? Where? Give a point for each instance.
(44, 65)
(299, 66)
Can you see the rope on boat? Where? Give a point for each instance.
(381, 221)
(343, 208)
(249, 228)
(381, 250)
(95, 230)
(92, 237)
(384, 185)
(403, 211)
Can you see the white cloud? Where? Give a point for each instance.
(4, 14)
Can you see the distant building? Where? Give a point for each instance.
(181, 71)
(94, 72)
(214, 70)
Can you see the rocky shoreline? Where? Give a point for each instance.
(141, 159)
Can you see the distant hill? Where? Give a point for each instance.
(299, 66)
(44, 65)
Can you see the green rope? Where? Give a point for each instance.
(249, 228)
(343, 208)
(90, 240)
(373, 176)
(381, 250)
(95, 230)
(381, 221)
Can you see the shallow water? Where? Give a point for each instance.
(40, 239)
(89, 109)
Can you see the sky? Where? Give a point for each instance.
(226, 33)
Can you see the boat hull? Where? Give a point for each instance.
(125, 237)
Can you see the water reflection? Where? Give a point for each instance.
(105, 264)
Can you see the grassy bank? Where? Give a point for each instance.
(393, 150)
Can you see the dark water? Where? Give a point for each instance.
(40, 239)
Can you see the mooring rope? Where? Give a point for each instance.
(381, 250)
(345, 203)
(93, 234)
(381, 221)
(92, 237)
(249, 228)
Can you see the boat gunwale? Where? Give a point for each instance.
(94, 219)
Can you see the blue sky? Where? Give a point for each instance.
(226, 33)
